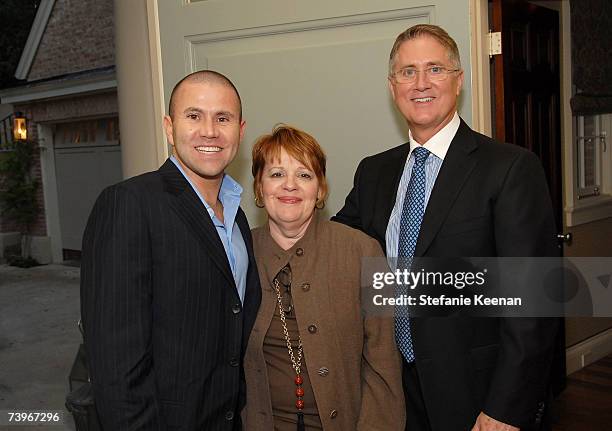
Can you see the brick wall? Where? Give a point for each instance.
(39, 227)
(79, 36)
(74, 108)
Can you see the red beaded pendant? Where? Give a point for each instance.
(299, 392)
(299, 404)
(299, 380)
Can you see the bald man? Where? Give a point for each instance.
(169, 286)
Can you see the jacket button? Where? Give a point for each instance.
(300, 252)
(312, 329)
(236, 308)
(229, 415)
(323, 371)
(333, 414)
(306, 287)
(234, 362)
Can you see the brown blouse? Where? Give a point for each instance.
(281, 374)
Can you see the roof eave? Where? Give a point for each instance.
(34, 38)
(50, 89)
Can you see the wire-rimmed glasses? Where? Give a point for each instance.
(408, 75)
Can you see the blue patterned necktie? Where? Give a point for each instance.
(410, 225)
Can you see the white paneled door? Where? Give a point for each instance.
(318, 65)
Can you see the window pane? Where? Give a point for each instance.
(589, 162)
(90, 132)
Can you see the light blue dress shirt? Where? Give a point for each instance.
(229, 232)
(438, 147)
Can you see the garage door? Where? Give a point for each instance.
(87, 159)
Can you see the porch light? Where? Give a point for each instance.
(20, 130)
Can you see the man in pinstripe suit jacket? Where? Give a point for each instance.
(169, 285)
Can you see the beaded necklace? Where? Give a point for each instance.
(296, 364)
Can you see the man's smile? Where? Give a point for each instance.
(208, 149)
(423, 99)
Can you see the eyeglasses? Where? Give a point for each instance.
(408, 75)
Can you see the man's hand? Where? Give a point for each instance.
(487, 423)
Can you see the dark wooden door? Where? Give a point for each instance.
(526, 86)
(525, 89)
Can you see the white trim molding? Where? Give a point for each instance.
(157, 80)
(49, 183)
(588, 351)
(58, 88)
(480, 76)
(34, 38)
(593, 209)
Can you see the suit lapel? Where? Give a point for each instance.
(187, 205)
(456, 168)
(251, 288)
(252, 294)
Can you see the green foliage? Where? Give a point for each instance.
(17, 187)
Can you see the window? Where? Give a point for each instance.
(591, 146)
(591, 157)
(100, 132)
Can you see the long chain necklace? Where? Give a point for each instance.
(295, 364)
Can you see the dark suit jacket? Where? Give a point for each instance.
(489, 199)
(165, 330)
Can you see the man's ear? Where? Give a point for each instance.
(391, 88)
(168, 129)
(242, 129)
(459, 82)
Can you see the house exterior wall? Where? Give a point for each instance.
(39, 227)
(50, 111)
(5, 110)
(79, 36)
(73, 108)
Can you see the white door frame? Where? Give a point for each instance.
(49, 183)
(480, 76)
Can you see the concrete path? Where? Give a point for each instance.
(39, 338)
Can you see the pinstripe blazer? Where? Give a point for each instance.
(165, 330)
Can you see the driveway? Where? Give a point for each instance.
(39, 338)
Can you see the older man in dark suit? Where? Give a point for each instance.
(455, 193)
(169, 289)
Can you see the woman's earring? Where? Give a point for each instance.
(258, 202)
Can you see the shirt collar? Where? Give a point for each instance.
(230, 189)
(439, 143)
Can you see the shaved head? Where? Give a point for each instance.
(204, 77)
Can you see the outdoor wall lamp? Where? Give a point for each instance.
(20, 130)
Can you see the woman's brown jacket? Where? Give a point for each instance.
(352, 360)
